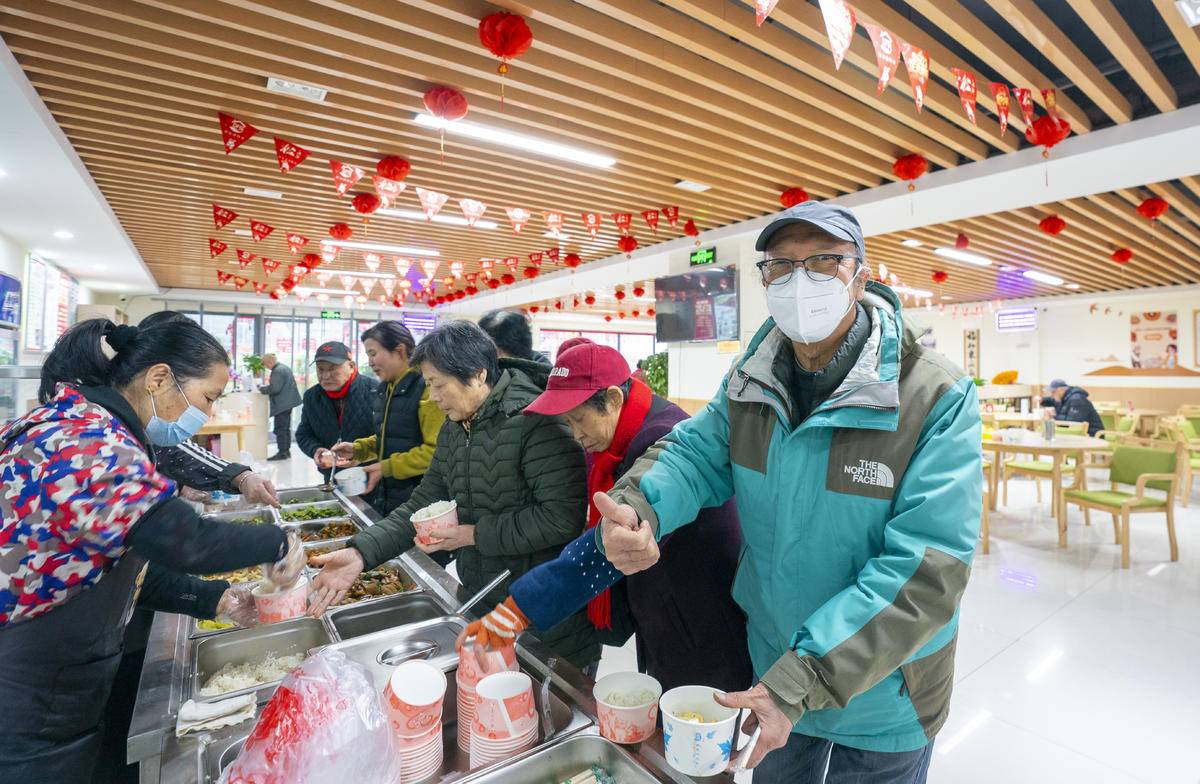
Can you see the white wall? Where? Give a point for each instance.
(12, 258)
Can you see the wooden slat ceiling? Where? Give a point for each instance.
(1165, 252)
(679, 89)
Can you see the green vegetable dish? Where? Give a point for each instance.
(311, 513)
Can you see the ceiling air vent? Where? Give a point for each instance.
(306, 91)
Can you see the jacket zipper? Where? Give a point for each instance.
(470, 498)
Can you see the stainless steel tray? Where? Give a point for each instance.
(305, 495)
(557, 762)
(430, 640)
(260, 516)
(333, 503)
(316, 525)
(340, 542)
(209, 654)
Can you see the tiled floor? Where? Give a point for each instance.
(1069, 669)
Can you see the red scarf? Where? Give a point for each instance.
(601, 479)
(341, 393)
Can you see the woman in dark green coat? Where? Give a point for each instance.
(519, 481)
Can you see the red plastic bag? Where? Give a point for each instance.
(324, 724)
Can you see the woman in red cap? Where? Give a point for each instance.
(689, 630)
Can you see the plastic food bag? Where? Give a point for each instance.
(324, 724)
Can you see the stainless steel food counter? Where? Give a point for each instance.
(421, 622)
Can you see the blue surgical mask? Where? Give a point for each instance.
(164, 433)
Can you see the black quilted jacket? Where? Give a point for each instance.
(520, 480)
(319, 427)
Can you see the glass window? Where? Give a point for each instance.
(551, 339)
(220, 326)
(285, 338)
(243, 346)
(635, 348)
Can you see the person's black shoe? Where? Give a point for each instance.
(281, 456)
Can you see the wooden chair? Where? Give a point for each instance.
(1180, 430)
(1192, 414)
(1124, 429)
(989, 468)
(1042, 469)
(1153, 465)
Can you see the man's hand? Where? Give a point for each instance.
(448, 539)
(374, 474)
(629, 544)
(339, 570)
(776, 727)
(256, 489)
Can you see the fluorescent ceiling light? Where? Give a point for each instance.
(912, 292)
(911, 243)
(331, 292)
(1007, 268)
(694, 187)
(561, 236)
(449, 220)
(402, 250)
(946, 298)
(520, 141)
(962, 255)
(277, 85)
(63, 234)
(266, 194)
(1072, 286)
(1042, 277)
(242, 232)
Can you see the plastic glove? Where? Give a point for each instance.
(497, 629)
(237, 604)
(194, 495)
(288, 569)
(256, 489)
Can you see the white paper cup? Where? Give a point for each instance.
(695, 748)
(276, 606)
(427, 525)
(351, 481)
(627, 724)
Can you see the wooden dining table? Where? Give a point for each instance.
(1029, 421)
(1058, 449)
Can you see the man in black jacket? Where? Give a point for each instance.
(284, 397)
(1071, 404)
(338, 407)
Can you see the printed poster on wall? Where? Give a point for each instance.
(10, 300)
(971, 352)
(1154, 340)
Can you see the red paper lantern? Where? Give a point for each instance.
(558, 305)
(589, 299)
(1122, 256)
(460, 294)
(340, 231)
(1052, 225)
(288, 284)
(575, 302)
(365, 203)
(910, 167)
(636, 313)
(628, 244)
(621, 314)
(471, 290)
(530, 273)
(940, 277)
(493, 284)
(277, 294)
(638, 291)
(310, 260)
(649, 311)
(962, 241)
(572, 260)
(447, 104)
(620, 295)
(507, 279)
(608, 318)
(1047, 132)
(1153, 208)
(393, 167)
(506, 36)
(793, 196)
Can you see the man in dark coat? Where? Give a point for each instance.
(1071, 404)
(338, 407)
(689, 629)
(284, 397)
(513, 336)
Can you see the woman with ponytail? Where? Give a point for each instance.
(84, 511)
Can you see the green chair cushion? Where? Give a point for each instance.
(1130, 462)
(1196, 462)
(1113, 498)
(1108, 421)
(1188, 429)
(1125, 424)
(1038, 466)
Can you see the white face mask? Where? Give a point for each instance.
(806, 311)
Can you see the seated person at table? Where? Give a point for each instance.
(1071, 404)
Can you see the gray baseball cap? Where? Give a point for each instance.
(836, 221)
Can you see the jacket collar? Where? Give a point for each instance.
(115, 403)
(869, 397)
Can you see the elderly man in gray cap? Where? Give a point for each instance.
(854, 456)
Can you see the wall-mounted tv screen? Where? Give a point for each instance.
(697, 306)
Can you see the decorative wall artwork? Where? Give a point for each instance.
(971, 352)
(1154, 340)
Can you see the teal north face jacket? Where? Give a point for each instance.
(859, 527)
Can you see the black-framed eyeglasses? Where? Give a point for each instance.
(818, 268)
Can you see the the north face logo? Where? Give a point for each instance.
(560, 371)
(870, 472)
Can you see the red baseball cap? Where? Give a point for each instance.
(579, 373)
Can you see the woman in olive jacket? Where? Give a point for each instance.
(519, 481)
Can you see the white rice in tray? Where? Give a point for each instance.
(234, 677)
(433, 510)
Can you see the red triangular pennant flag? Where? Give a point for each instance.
(259, 230)
(240, 282)
(431, 202)
(512, 262)
(1025, 101)
(887, 54)
(244, 257)
(289, 154)
(1001, 96)
(763, 9)
(215, 248)
(535, 259)
(968, 91)
(916, 62)
(259, 288)
(1050, 98)
(344, 176)
(839, 24)
(388, 190)
(222, 216)
(651, 218)
(519, 217)
(269, 265)
(622, 219)
(552, 254)
(234, 132)
(554, 222)
(296, 242)
(223, 277)
(672, 215)
(591, 221)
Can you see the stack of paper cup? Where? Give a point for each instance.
(413, 698)
(505, 721)
(469, 675)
